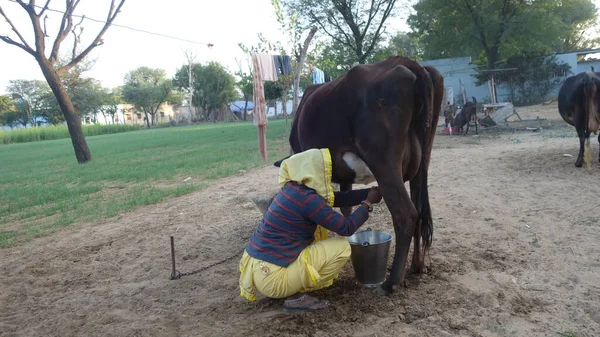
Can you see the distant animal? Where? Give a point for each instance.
(449, 114)
(379, 121)
(465, 115)
(579, 105)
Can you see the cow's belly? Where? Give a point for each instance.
(363, 174)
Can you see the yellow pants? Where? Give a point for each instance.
(315, 268)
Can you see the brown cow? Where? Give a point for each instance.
(579, 105)
(379, 121)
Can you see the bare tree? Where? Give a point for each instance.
(48, 64)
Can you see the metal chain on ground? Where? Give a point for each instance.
(177, 274)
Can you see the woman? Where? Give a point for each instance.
(290, 254)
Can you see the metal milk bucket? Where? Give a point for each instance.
(370, 250)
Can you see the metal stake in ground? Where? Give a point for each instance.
(174, 273)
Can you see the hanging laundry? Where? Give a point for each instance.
(260, 107)
(287, 65)
(283, 65)
(318, 76)
(267, 66)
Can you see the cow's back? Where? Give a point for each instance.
(327, 113)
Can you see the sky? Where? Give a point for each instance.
(223, 23)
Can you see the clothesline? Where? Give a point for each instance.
(265, 67)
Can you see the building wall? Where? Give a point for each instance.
(587, 66)
(461, 69)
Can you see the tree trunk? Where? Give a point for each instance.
(245, 109)
(284, 100)
(82, 151)
(299, 66)
(147, 118)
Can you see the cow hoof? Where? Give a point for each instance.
(578, 164)
(384, 290)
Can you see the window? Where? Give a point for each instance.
(139, 116)
(162, 114)
(128, 117)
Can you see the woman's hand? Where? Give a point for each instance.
(374, 195)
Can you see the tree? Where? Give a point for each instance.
(85, 92)
(357, 26)
(533, 77)
(245, 86)
(496, 29)
(8, 111)
(30, 95)
(579, 18)
(111, 98)
(47, 64)
(214, 87)
(273, 92)
(147, 89)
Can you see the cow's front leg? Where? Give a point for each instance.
(346, 187)
(404, 217)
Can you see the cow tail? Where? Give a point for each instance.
(589, 91)
(423, 127)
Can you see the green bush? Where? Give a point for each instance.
(58, 132)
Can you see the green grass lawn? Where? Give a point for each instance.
(42, 188)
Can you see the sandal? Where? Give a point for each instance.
(312, 305)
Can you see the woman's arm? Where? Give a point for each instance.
(319, 212)
(350, 198)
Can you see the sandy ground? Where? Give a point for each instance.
(516, 252)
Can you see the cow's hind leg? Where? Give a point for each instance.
(579, 121)
(599, 150)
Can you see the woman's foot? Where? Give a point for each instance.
(303, 302)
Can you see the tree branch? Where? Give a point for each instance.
(44, 8)
(65, 27)
(334, 22)
(76, 38)
(372, 14)
(15, 43)
(378, 32)
(315, 19)
(112, 14)
(24, 45)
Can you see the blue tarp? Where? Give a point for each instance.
(239, 106)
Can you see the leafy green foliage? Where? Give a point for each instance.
(355, 28)
(147, 89)
(32, 98)
(214, 87)
(111, 98)
(8, 111)
(499, 29)
(59, 132)
(534, 77)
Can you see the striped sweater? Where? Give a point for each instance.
(289, 224)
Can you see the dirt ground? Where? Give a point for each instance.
(516, 252)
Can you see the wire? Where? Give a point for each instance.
(210, 45)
